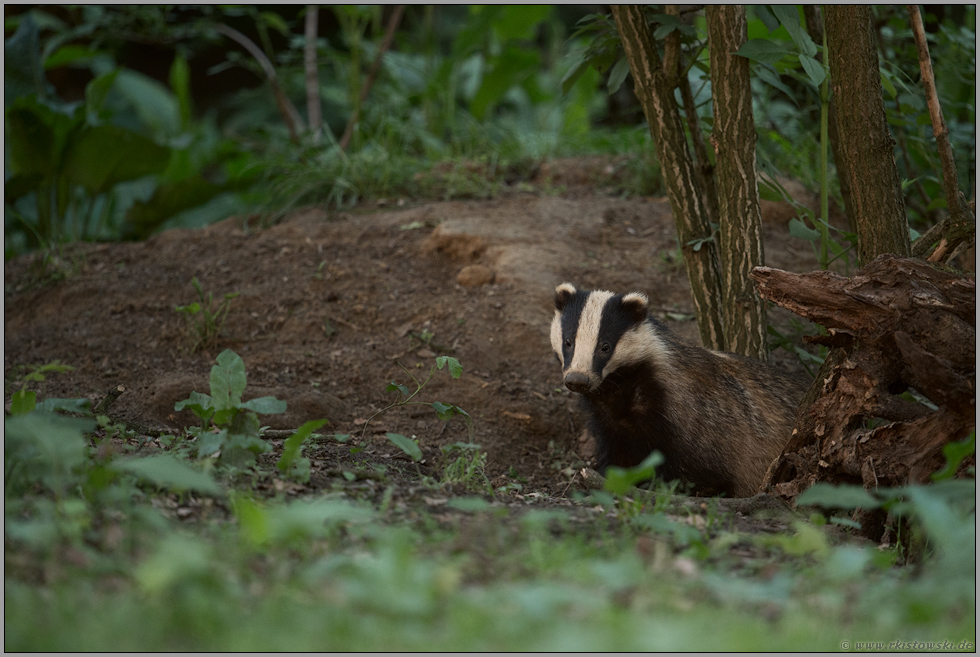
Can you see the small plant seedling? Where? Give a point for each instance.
(444, 411)
(24, 400)
(465, 464)
(291, 464)
(204, 319)
(237, 422)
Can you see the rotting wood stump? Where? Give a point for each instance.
(899, 323)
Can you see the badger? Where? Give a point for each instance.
(719, 419)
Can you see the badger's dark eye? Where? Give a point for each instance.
(605, 348)
(568, 342)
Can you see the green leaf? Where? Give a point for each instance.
(406, 445)
(23, 74)
(291, 446)
(519, 21)
(789, 16)
(764, 15)
(198, 403)
(839, 497)
(180, 83)
(167, 472)
(23, 401)
(399, 387)
(799, 229)
(455, 369)
(265, 405)
(618, 75)
(769, 192)
(44, 447)
(447, 411)
(99, 157)
(469, 504)
(80, 406)
(209, 443)
(508, 70)
(96, 92)
(70, 54)
(954, 452)
(575, 72)
(762, 50)
(36, 137)
(227, 380)
(814, 69)
(619, 480)
(886, 82)
(156, 106)
(765, 73)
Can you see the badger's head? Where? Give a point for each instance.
(594, 333)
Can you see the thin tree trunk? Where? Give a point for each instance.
(655, 91)
(814, 27)
(313, 115)
(734, 136)
(867, 147)
(959, 215)
(704, 167)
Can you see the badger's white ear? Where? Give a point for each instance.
(636, 304)
(563, 293)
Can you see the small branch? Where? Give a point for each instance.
(962, 223)
(312, 78)
(103, 406)
(289, 114)
(393, 22)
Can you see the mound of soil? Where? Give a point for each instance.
(329, 308)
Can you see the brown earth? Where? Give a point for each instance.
(330, 305)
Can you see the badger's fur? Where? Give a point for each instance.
(718, 419)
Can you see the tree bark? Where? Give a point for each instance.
(867, 147)
(734, 137)
(655, 91)
(313, 114)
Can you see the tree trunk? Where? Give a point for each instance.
(814, 27)
(867, 147)
(734, 136)
(655, 91)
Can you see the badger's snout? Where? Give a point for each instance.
(577, 382)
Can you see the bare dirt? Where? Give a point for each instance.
(329, 305)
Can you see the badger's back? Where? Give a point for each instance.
(719, 419)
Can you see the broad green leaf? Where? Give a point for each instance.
(839, 497)
(292, 445)
(508, 70)
(80, 406)
(167, 472)
(265, 405)
(798, 229)
(96, 92)
(765, 15)
(769, 192)
(227, 380)
(762, 50)
(198, 403)
(99, 157)
(209, 443)
(253, 521)
(406, 445)
(178, 559)
(155, 104)
(574, 73)
(886, 82)
(46, 447)
(69, 54)
(789, 17)
(455, 369)
(814, 69)
(36, 137)
(23, 401)
(619, 480)
(618, 75)
(768, 75)
(23, 74)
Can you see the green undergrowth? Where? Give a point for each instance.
(119, 541)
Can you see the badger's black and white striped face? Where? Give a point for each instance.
(596, 332)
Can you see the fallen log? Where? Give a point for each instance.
(900, 326)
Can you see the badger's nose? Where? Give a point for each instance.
(577, 382)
